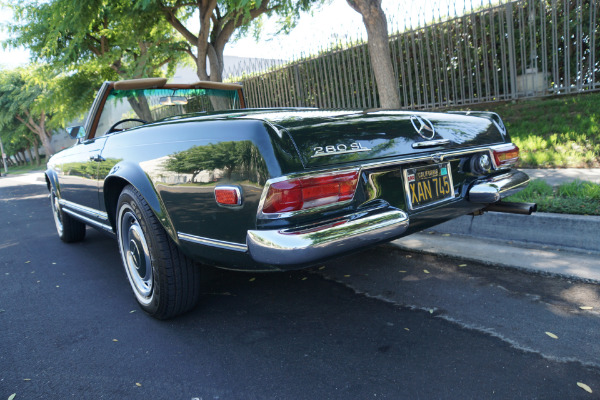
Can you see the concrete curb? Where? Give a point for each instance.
(500, 253)
(559, 230)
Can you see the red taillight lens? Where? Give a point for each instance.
(506, 156)
(309, 192)
(228, 196)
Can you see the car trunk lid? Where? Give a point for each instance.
(325, 138)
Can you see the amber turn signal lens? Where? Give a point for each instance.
(506, 156)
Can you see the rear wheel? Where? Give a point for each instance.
(165, 282)
(68, 228)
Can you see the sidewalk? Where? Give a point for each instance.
(556, 176)
(558, 244)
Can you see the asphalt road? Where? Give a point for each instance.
(379, 324)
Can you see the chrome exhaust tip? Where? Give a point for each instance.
(512, 208)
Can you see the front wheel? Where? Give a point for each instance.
(165, 282)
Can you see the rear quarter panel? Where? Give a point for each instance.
(183, 161)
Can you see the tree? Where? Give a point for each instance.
(379, 50)
(104, 37)
(34, 103)
(19, 105)
(219, 21)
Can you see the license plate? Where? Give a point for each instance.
(428, 185)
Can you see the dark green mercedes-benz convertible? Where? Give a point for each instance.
(184, 175)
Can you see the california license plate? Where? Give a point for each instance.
(428, 185)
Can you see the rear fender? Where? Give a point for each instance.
(126, 173)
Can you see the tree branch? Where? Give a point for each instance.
(169, 13)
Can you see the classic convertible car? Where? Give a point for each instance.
(184, 175)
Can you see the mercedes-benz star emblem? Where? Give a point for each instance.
(423, 126)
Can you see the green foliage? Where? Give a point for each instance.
(35, 102)
(17, 100)
(240, 157)
(107, 38)
(570, 198)
(553, 132)
(220, 22)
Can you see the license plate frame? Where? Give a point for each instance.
(428, 185)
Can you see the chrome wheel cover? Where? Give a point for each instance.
(135, 254)
(56, 213)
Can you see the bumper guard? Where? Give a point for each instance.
(496, 188)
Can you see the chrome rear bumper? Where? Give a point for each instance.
(313, 243)
(494, 189)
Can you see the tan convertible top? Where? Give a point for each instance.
(154, 83)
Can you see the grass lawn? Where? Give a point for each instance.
(22, 169)
(553, 132)
(569, 198)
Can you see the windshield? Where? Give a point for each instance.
(141, 106)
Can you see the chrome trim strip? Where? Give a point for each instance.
(212, 242)
(83, 209)
(335, 153)
(431, 143)
(422, 158)
(88, 221)
(498, 187)
(312, 243)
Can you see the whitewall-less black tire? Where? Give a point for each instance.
(165, 282)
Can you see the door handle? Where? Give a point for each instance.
(97, 158)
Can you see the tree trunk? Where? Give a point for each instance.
(379, 51)
(216, 75)
(46, 142)
(29, 155)
(21, 158)
(36, 151)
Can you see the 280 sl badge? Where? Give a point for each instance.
(338, 149)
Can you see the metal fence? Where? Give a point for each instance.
(486, 52)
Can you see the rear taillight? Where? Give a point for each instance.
(309, 192)
(506, 156)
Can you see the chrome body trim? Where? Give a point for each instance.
(212, 242)
(494, 189)
(85, 210)
(88, 221)
(337, 152)
(315, 242)
(431, 143)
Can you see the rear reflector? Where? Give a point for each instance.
(228, 195)
(309, 192)
(506, 156)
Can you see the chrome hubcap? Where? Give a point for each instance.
(136, 256)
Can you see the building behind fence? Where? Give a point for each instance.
(490, 52)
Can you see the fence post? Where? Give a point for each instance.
(298, 87)
(512, 68)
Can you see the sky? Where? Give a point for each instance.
(315, 30)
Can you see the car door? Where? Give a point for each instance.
(78, 179)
